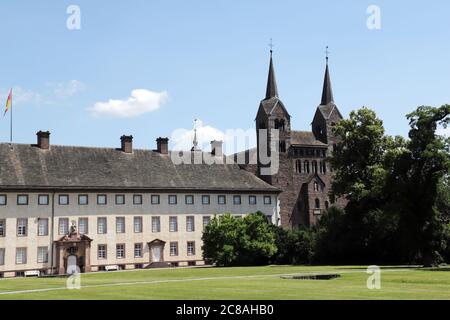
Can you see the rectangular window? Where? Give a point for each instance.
(138, 250)
(83, 226)
(2, 228)
(206, 221)
(120, 225)
(190, 224)
(3, 200)
(120, 199)
(42, 227)
(156, 224)
(43, 200)
(267, 200)
(2, 256)
(172, 199)
(156, 199)
(63, 200)
(138, 225)
(21, 255)
(252, 200)
(42, 255)
(189, 200)
(137, 199)
(173, 224)
(222, 200)
(237, 200)
(22, 227)
(101, 251)
(206, 200)
(191, 248)
(102, 199)
(22, 200)
(102, 226)
(120, 251)
(83, 200)
(63, 226)
(174, 249)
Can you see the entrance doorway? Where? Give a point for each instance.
(156, 251)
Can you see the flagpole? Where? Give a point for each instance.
(11, 120)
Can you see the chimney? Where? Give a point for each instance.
(127, 144)
(43, 140)
(217, 148)
(163, 145)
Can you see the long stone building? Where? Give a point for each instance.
(105, 209)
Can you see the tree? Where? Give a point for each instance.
(232, 241)
(417, 176)
(295, 246)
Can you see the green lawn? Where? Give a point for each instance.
(259, 283)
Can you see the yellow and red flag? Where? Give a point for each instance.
(8, 102)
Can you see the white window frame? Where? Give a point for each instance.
(3, 199)
(138, 250)
(171, 197)
(2, 256)
(63, 196)
(42, 255)
(156, 224)
(120, 225)
(2, 228)
(155, 199)
(63, 222)
(138, 224)
(102, 196)
(141, 199)
(208, 200)
(83, 196)
(43, 203)
(208, 218)
(21, 253)
(43, 227)
(102, 225)
(120, 251)
(173, 224)
(252, 203)
(191, 248)
(22, 227)
(120, 203)
(187, 201)
(86, 226)
(190, 224)
(174, 249)
(22, 196)
(235, 202)
(224, 200)
(267, 200)
(102, 252)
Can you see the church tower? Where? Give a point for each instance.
(327, 114)
(272, 114)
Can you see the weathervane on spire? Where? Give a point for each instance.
(327, 53)
(195, 142)
(271, 45)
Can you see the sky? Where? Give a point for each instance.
(149, 68)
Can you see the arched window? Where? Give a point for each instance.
(298, 166)
(323, 167)
(314, 166)
(306, 167)
(282, 146)
(317, 204)
(327, 205)
(316, 187)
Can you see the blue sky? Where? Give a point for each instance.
(210, 60)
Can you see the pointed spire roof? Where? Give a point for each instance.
(327, 93)
(272, 89)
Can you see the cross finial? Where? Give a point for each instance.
(327, 53)
(271, 45)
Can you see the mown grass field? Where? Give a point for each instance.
(259, 283)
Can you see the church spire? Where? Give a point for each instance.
(272, 89)
(327, 94)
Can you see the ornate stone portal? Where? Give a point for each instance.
(73, 249)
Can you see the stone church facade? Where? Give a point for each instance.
(304, 175)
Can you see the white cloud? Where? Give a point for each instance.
(235, 140)
(444, 132)
(140, 102)
(69, 89)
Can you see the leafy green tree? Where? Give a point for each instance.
(232, 241)
(417, 176)
(295, 246)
